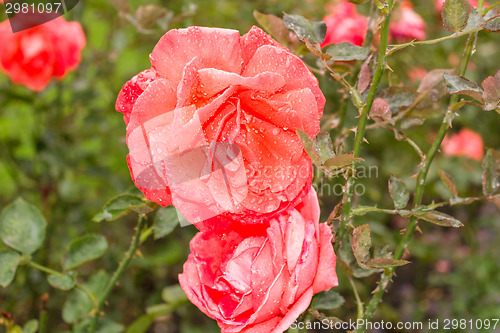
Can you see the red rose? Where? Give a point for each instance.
(406, 24)
(261, 281)
(34, 56)
(211, 127)
(344, 24)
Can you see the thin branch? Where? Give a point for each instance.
(422, 175)
(398, 47)
(119, 271)
(360, 130)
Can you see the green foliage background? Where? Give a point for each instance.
(64, 150)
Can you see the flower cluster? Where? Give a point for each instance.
(211, 129)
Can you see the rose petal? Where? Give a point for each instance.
(294, 312)
(157, 99)
(214, 80)
(326, 276)
(132, 90)
(269, 58)
(177, 47)
(253, 40)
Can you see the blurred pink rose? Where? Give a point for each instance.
(211, 126)
(406, 24)
(416, 74)
(34, 56)
(344, 24)
(261, 280)
(464, 143)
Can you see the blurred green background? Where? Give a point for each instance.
(64, 149)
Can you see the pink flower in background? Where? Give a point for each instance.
(261, 280)
(211, 126)
(417, 73)
(464, 143)
(344, 24)
(406, 24)
(34, 56)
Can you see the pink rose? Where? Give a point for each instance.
(344, 24)
(465, 143)
(261, 280)
(406, 24)
(34, 56)
(211, 126)
(416, 74)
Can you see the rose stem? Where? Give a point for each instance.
(360, 131)
(366, 43)
(116, 275)
(419, 192)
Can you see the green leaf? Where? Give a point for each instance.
(382, 251)
(322, 153)
(491, 93)
(31, 326)
(310, 147)
(165, 221)
(118, 206)
(15, 329)
(438, 218)
(410, 122)
(341, 161)
(274, 26)
(492, 25)
(461, 85)
(386, 262)
(399, 192)
(347, 52)
(86, 248)
(22, 227)
(327, 300)
(432, 88)
(432, 79)
(475, 21)
(398, 97)
(365, 75)
(455, 14)
(491, 172)
(9, 260)
(141, 324)
(313, 32)
(63, 282)
(103, 326)
(448, 181)
(381, 111)
(78, 304)
(324, 146)
(361, 243)
(173, 294)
